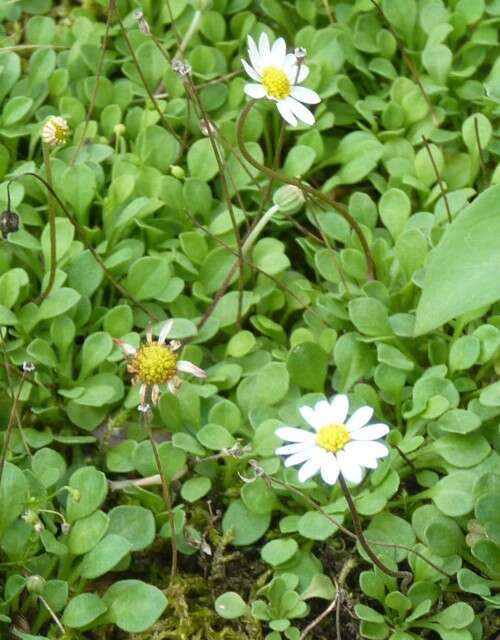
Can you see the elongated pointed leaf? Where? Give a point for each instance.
(462, 274)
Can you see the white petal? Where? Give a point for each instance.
(295, 74)
(188, 367)
(251, 72)
(278, 52)
(370, 432)
(330, 469)
(339, 407)
(302, 456)
(301, 112)
(127, 348)
(359, 418)
(311, 467)
(349, 468)
(364, 452)
(311, 417)
(264, 50)
(286, 112)
(254, 90)
(288, 449)
(165, 331)
(292, 434)
(305, 95)
(254, 55)
(323, 413)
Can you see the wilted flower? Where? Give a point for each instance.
(156, 363)
(9, 222)
(55, 131)
(278, 74)
(337, 446)
(142, 23)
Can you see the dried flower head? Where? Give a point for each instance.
(9, 222)
(142, 23)
(277, 75)
(156, 363)
(182, 69)
(55, 131)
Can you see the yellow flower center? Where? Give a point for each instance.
(155, 363)
(333, 437)
(276, 83)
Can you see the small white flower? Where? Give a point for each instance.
(55, 131)
(278, 74)
(338, 445)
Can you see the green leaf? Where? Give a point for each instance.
(148, 277)
(307, 365)
(58, 302)
(133, 605)
(370, 317)
(230, 605)
(279, 551)
(246, 526)
(201, 160)
(82, 610)
(453, 495)
(135, 524)
(87, 532)
(463, 269)
(104, 556)
(89, 490)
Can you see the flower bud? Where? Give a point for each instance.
(55, 131)
(182, 69)
(65, 528)
(177, 172)
(35, 584)
(289, 198)
(300, 53)
(119, 130)
(28, 367)
(9, 222)
(75, 494)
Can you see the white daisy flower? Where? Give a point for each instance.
(155, 363)
(277, 75)
(338, 445)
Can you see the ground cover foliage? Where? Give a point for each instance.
(399, 311)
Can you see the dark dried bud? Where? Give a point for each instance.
(9, 222)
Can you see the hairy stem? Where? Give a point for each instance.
(52, 224)
(405, 575)
(10, 426)
(167, 498)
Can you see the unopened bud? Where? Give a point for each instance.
(9, 222)
(177, 172)
(143, 407)
(289, 198)
(35, 584)
(119, 130)
(300, 53)
(65, 528)
(28, 367)
(142, 23)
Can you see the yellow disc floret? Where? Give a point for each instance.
(333, 437)
(276, 83)
(155, 364)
